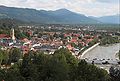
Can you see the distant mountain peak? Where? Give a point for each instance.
(2, 6)
(63, 10)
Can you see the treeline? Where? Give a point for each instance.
(61, 66)
(109, 40)
(108, 27)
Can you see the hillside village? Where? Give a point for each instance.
(49, 41)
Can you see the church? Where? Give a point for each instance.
(7, 40)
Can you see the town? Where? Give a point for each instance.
(59, 40)
(49, 39)
(79, 39)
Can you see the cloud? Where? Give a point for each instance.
(108, 1)
(87, 7)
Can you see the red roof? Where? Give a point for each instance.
(77, 35)
(69, 47)
(67, 35)
(4, 36)
(74, 39)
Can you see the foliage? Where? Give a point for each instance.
(14, 55)
(109, 40)
(3, 57)
(94, 41)
(115, 73)
(87, 72)
(61, 66)
(2, 75)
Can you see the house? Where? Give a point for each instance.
(4, 36)
(69, 47)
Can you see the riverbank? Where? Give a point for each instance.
(101, 52)
(92, 47)
(107, 40)
(118, 55)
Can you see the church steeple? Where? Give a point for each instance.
(13, 34)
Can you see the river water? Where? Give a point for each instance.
(103, 52)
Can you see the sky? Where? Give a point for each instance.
(86, 7)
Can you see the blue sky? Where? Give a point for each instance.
(87, 7)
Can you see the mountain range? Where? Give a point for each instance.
(113, 19)
(61, 16)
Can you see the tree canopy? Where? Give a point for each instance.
(61, 66)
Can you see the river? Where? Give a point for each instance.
(103, 52)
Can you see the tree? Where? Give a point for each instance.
(13, 75)
(61, 66)
(20, 35)
(115, 73)
(88, 72)
(14, 55)
(71, 61)
(24, 68)
(3, 57)
(57, 68)
(2, 75)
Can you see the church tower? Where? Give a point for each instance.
(13, 35)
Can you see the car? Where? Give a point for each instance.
(105, 62)
(108, 59)
(95, 59)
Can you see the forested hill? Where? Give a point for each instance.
(61, 16)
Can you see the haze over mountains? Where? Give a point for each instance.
(113, 19)
(61, 16)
